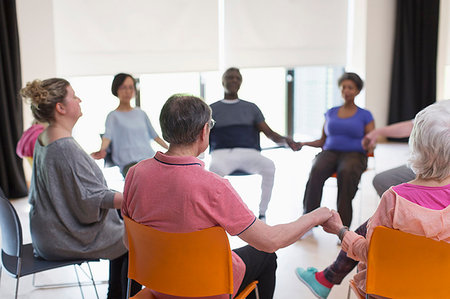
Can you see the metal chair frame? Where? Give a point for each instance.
(18, 259)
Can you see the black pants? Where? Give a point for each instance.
(349, 167)
(118, 277)
(259, 266)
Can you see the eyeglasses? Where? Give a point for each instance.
(212, 122)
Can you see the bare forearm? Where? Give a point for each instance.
(315, 143)
(161, 142)
(397, 130)
(118, 199)
(105, 143)
(285, 234)
(271, 238)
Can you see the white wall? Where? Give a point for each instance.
(379, 51)
(37, 43)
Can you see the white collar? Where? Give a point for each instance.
(234, 101)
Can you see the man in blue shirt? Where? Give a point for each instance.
(234, 140)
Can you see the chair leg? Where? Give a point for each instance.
(17, 287)
(19, 272)
(348, 292)
(128, 288)
(79, 283)
(92, 279)
(257, 292)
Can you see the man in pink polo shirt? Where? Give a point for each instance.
(173, 192)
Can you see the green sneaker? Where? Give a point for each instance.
(308, 277)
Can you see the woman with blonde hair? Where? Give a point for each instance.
(72, 210)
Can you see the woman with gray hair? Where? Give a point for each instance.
(420, 206)
(173, 192)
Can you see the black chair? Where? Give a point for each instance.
(18, 259)
(108, 159)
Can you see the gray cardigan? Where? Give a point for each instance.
(72, 214)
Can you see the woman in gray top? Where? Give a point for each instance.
(128, 130)
(72, 211)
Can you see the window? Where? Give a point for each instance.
(315, 91)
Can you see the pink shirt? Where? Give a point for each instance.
(405, 214)
(25, 146)
(427, 197)
(176, 194)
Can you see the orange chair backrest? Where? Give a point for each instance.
(402, 265)
(194, 264)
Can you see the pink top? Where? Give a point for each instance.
(428, 197)
(25, 146)
(405, 214)
(176, 194)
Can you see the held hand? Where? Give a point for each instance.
(295, 146)
(322, 214)
(369, 141)
(333, 224)
(101, 154)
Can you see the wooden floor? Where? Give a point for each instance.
(318, 250)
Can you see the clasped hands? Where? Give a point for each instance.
(332, 221)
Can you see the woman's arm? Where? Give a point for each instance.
(101, 154)
(357, 246)
(118, 200)
(317, 143)
(367, 129)
(270, 238)
(277, 138)
(161, 142)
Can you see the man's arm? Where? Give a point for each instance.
(398, 130)
(271, 238)
(275, 137)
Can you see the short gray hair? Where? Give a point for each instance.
(430, 142)
(182, 118)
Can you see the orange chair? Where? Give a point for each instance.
(402, 265)
(195, 264)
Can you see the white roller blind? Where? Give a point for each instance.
(260, 33)
(95, 37)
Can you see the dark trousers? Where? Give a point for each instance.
(349, 167)
(260, 266)
(343, 265)
(127, 167)
(118, 278)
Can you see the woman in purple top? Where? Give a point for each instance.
(344, 128)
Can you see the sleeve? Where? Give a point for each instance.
(368, 117)
(25, 146)
(151, 131)
(230, 211)
(357, 246)
(89, 182)
(109, 126)
(259, 117)
(128, 179)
